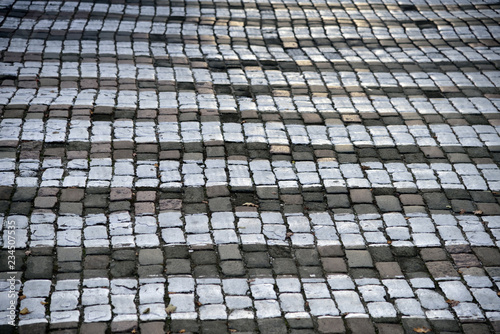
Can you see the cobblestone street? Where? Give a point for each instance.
(257, 166)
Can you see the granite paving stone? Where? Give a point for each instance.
(264, 166)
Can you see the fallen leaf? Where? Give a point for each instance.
(44, 303)
(389, 242)
(232, 330)
(24, 311)
(22, 297)
(365, 167)
(146, 311)
(448, 206)
(204, 202)
(250, 204)
(452, 302)
(478, 212)
(134, 331)
(289, 234)
(198, 304)
(462, 211)
(421, 330)
(28, 252)
(170, 308)
(182, 331)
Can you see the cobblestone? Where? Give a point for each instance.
(272, 167)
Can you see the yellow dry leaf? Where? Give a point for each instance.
(250, 204)
(24, 311)
(421, 330)
(170, 308)
(22, 297)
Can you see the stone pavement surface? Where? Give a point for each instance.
(259, 166)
